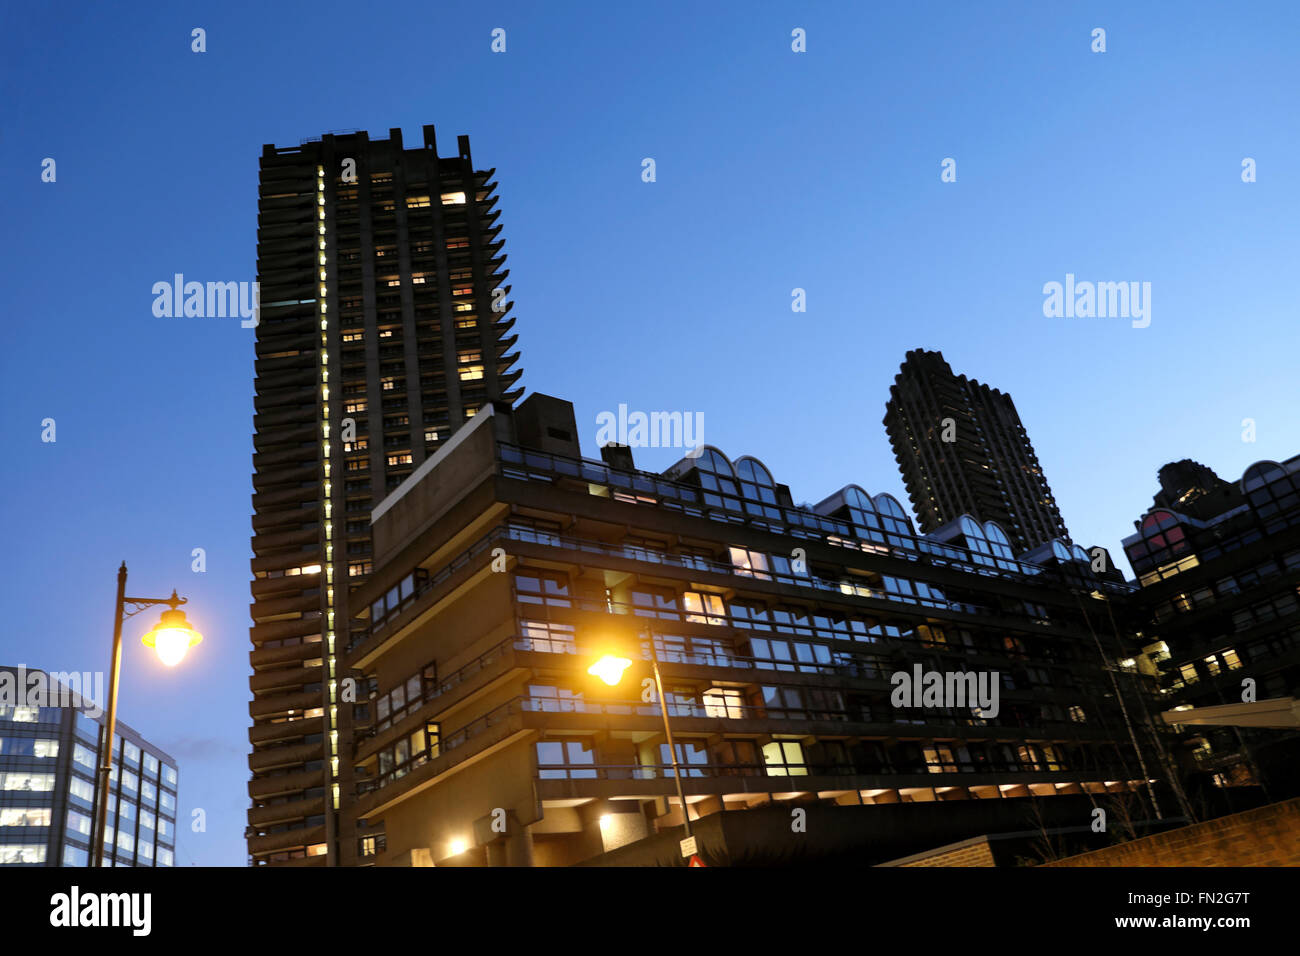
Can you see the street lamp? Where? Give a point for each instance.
(171, 639)
(610, 668)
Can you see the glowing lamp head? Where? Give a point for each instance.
(172, 638)
(610, 668)
(458, 847)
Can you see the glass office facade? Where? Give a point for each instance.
(48, 757)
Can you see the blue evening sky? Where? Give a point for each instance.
(775, 171)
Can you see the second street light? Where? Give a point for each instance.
(171, 638)
(609, 669)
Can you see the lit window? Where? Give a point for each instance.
(724, 702)
(453, 199)
(25, 780)
(30, 853)
(749, 563)
(704, 608)
(26, 817)
(784, 758)
(939, 759)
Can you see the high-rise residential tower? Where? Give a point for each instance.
(383, 327)
(962, 450)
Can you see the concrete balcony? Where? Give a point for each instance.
(282, 704)
(287, 840)
(275, 757)
(284, 678)
(285, 812)
(260, 788)
(285, 730)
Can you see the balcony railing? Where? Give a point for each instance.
(721, 710)
(591, 771)
(418, 582)
(445, 744)
(649, 488)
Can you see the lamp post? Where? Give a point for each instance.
(171, 639)
(610, 669)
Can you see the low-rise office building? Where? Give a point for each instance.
(49, 756)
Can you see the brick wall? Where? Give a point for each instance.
(973, 852)
(977, 854)
(1267, 836)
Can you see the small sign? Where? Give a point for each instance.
(688, 847)
(695, 861)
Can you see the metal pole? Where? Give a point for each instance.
(668, 731)
(106, 752)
